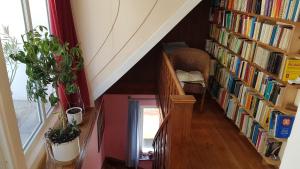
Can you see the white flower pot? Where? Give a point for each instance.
(74, 116)
(66, 152)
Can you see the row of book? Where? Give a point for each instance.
(270, 61)
(239, 23)
(258, 136)
(282, 66)
(255, 105)
(219, 93)
(275, 123)
(247, 50)
(275, 34)
(248, 74)
(284, 9)
(252, 79)
(269, 147)
(233, 42)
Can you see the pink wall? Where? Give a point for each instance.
(93, 158)
(115, 140)
(116, 126)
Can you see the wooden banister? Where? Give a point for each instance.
(163, 124)
(174, 80)
(171, 139)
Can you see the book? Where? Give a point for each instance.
(284, 125)
(262, 142)
(284, 9)
(295, 14)
(291, 69)
(272, 148)
(255, 134)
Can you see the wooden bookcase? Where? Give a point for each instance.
(292, 50)
(294, 46)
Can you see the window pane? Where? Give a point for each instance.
(11, 15)
(27, 113)
(39, 14)
(151, 120)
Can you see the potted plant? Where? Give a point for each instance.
(51, 62)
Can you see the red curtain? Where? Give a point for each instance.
(62, 26)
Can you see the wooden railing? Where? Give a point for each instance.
(171, 139)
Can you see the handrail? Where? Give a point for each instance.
(168, 84)
(173, 74)
(165, 121)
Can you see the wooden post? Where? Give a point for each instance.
(179, 130)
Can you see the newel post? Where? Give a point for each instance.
(179, 130)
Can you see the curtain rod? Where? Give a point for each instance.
(133, 98)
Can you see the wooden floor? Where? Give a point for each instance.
(217, 144)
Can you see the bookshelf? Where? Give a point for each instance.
(295, 34)
(262, 17)
(230, 30)
(253, 64)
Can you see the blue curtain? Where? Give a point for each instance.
(134, 116)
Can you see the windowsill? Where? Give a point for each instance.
(145, 157)
(35, 153)
(89, 121)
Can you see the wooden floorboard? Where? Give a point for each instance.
(217, 144)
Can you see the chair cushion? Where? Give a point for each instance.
(192, 76)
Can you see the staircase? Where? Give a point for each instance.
(112, 163)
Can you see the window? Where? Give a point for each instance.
(16, 17)
(151, 123)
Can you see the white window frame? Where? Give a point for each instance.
(13, 154)
(42, 112)
(9, 131)
(142, 123)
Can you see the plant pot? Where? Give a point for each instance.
(74, 114)
(64, 152)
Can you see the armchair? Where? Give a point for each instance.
(191, 59)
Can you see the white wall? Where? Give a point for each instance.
(121, 32)
(291, 157)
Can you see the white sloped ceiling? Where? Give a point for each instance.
(115, 34)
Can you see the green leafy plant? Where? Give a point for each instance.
(59, 135)
(50, 62)
(10, 46)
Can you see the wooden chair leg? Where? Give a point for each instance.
(202, 101)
